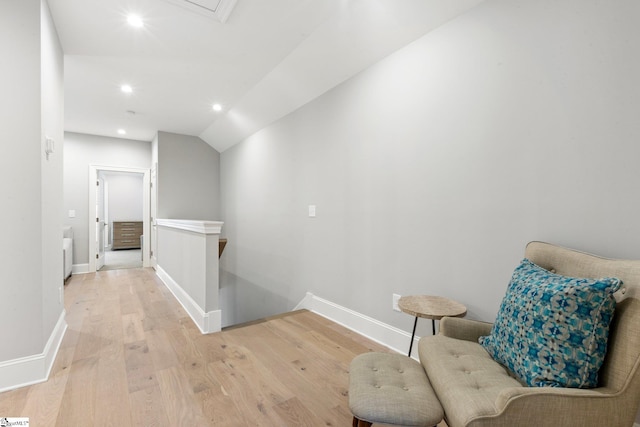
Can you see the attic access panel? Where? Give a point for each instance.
(217, 9)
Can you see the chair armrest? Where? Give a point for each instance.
(464, 329)
(567, 407)
(509, 394)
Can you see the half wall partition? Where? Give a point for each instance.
(188, 266)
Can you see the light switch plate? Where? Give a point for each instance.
(72, 213)
(312, 211)
(394, 302)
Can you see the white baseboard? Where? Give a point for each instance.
(387, 335)
(36, 368)
(307, 302)
(207, 322)
(79, 268)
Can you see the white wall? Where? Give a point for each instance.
(20, 180)
(82, 150)
(125, 196)
(30, 223)
(432, 169)
(52, 119)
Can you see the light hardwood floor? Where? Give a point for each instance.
(132, 357)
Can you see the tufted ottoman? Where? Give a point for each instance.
(391, 389)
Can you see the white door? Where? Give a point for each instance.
(154, 205)
(100, 224)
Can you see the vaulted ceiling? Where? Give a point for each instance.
(266, 59)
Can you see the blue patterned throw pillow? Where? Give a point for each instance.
(552, 330)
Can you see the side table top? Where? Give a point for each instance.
(431, 307)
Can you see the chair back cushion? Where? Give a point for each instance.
(620, 369)
(552, 330)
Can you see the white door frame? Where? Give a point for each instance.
(93, 177)
(100, 224)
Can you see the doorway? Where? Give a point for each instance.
(119, 207)
(122, 195)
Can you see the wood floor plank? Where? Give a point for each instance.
(162, 353)
(112, 406)
(77, 405)
(286, 360)
(342, 336)
(219, 408)
(212, 347)
(112, 391)
(294, 413)
(185, 348)
(158, 315)
(131, 356)
(248, 402)
(91, 341)
(260, 377)
(129, 302)
(147, 408)
(132, 328)
(44, 402)
(180, 405)
(140, 372)
(12, 402)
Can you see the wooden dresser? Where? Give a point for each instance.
(126, 234)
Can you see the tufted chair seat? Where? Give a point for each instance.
(391, 389)
(456, 368)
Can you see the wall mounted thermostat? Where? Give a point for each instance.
(49, 146)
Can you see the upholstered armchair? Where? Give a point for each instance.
(476, 392)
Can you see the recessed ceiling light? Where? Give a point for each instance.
(217, 107)
(126, 88)
(135, 21)
(122, 132)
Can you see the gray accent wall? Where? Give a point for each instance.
(82, 150)
(188, 177)
(31, 108)
(432, 169)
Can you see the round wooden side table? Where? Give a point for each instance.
(429, 307)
